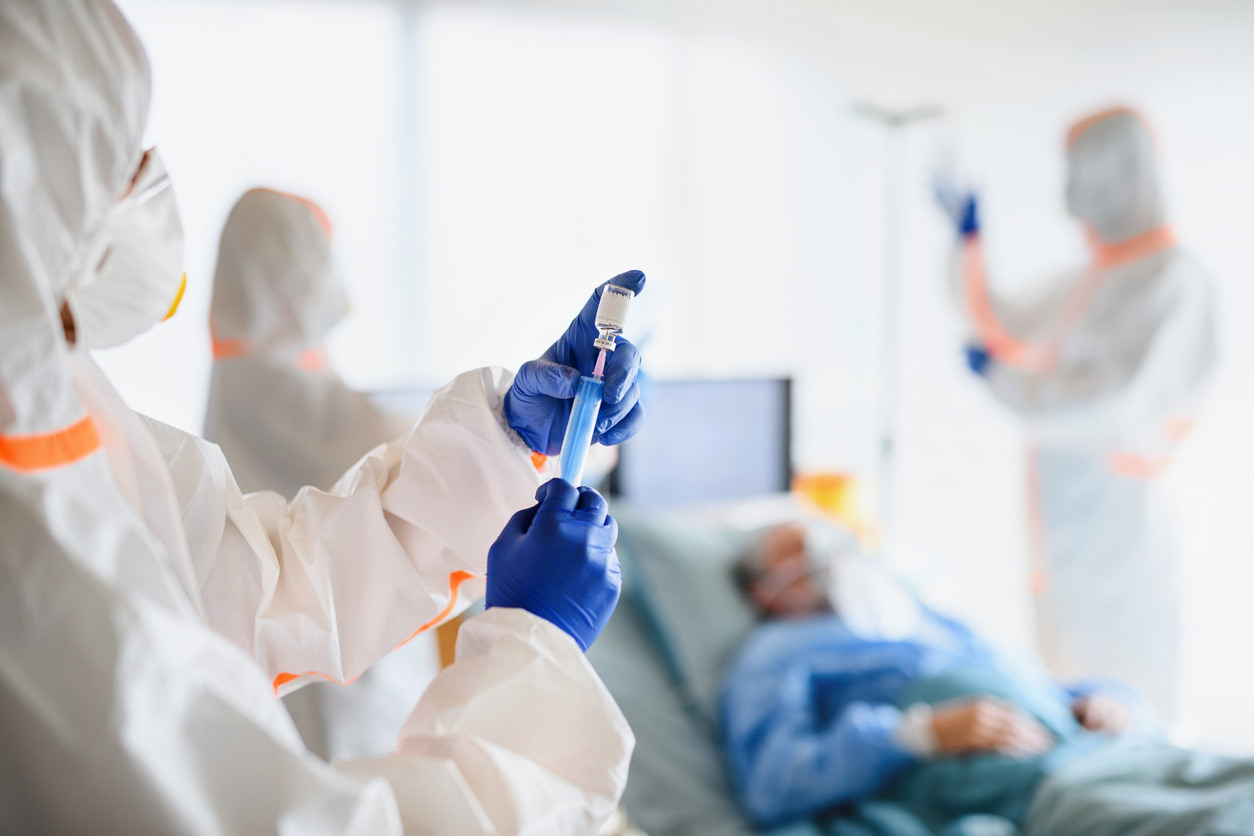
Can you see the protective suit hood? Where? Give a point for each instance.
(74, 95)
(275, 290)
(1112, 176)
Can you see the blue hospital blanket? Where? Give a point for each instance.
(977, 794)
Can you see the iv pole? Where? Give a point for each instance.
(896, 123)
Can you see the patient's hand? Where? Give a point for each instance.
(1102, 713)
(988, 725)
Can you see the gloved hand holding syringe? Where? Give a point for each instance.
(595, 365)
(610, 320)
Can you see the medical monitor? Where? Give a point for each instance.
(708, 441)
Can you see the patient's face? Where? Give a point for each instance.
(786, 588)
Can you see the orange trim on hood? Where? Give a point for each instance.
(1073, 133)
(455, 580)
(319, 214)
(41, 451)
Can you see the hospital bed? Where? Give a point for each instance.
(663, 655)
(690, 495)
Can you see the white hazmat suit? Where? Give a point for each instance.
(281, 416)
(284, 420)
(1106, 368)
(149, 611)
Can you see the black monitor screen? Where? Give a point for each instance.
(708, 440)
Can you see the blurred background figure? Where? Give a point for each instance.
(1105, 368)
(284, 419)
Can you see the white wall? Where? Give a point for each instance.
(487, 163)
(253, 94)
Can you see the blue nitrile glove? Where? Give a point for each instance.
(537, 405)
(963, 209)
(978, 359)
(969, 220)
(556, 560)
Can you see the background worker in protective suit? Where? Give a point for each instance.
(150, 611)
(281, 416)
(284, 420)
(1105, 368)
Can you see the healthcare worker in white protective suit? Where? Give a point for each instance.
(1106, 368)
(149, 611)
(284, 420)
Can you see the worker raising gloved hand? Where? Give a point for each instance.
(1105, 365)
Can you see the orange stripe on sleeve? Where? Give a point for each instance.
(312, 360)
(284, 678)
(228, 349)
(1132, 466)
(41, 451)
(455, 580)
(1179, 428)
(1039, 579)
(999, 342)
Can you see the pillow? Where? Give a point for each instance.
(676, 785)
(680, 577)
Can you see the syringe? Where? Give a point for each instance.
(610, 321)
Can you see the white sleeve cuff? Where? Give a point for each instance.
(915, 734)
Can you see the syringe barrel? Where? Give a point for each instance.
(583, 420)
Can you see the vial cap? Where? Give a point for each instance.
(612, 311)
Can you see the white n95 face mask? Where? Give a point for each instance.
(131, 276)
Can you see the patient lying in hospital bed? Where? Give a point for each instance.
(857, 707)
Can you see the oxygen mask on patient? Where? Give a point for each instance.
(867, 596)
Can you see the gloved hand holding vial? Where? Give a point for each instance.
(610, 320)
(583, 389)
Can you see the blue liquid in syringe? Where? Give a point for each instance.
(583, 420)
